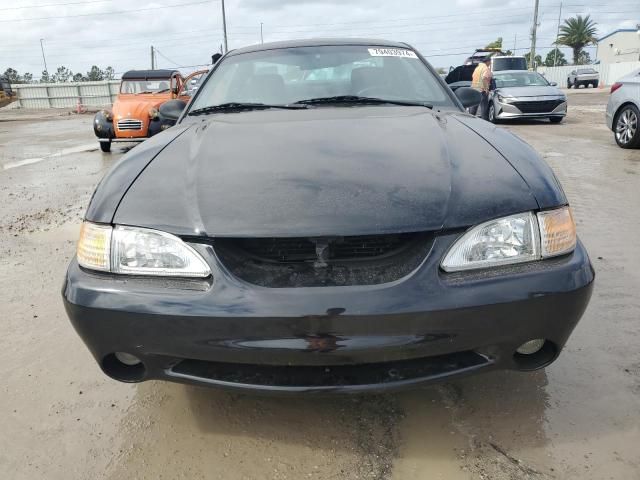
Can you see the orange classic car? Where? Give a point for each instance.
(135, 114)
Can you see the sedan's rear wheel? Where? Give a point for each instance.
(626, 129)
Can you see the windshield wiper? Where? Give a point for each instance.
(163, 90)
(358, 100)
(240, 106)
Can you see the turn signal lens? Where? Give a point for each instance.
(94, 246)
(557, 232)
(615, 87)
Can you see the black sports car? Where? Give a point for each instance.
(326, 217)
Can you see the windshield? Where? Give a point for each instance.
(289, 75)
(519, 79)
(145, 86)
(509, 63)
(586, 70)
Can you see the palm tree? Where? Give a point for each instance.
(577, 33)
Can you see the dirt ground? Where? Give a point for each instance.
(63, 419)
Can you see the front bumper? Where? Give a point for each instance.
(506, 111)
(426, 327)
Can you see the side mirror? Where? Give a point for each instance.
(172, 109)
(215, 57)
(554, 84)
(469, 97)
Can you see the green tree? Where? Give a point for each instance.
(11, 75)
(95, 74)
(495, 44)
(584, 58)
(45, 78)
(27, 78)
(109, 73)
(554, 58)
(62, 75)
(577, 32)
(78, 77)
(538, 59)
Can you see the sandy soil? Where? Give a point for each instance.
(63, 419)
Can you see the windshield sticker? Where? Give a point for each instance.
(392, 52)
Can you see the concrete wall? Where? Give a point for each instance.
(609, 73)
(65, 95)
(619, 47)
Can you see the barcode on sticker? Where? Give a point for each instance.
(392, 52)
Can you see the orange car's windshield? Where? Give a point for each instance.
(145, 86)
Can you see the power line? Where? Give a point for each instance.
(105, 13)
(165, 57)
(54, 5)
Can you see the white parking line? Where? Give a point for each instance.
(59, 153)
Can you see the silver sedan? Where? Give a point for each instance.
(623, 110)
(523, 94)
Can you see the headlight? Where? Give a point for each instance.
(502, 99)
(153, 113)
(107, 114)
(138, 251)
(514, 239)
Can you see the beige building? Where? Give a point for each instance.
(622, 45)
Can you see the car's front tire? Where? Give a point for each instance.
(625, 127)
(568, 84)
(555, 119)
(595, 84)
(105, 146)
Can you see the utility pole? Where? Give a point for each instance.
(224, 28)
(515, 42)
(555, 57)
(43, 57)
(261, 37)
(153, 58)
(532, 54)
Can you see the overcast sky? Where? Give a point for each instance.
(78, 34)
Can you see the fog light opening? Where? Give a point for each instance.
(127, 358)
(534, 354)
(527, 348)
(124, 367)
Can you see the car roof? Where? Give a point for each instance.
(318, 42)
(513, 71)
(148, 74)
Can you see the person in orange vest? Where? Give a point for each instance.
(481, 81)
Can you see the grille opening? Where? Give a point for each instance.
(129, 124)
(323, 261)
(544, 106)
(330, 376)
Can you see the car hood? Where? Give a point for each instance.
(324, 171)
(136, 106)
(534, 91)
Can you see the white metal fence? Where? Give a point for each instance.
(65, 95)
(609, 72)
(100, 94)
